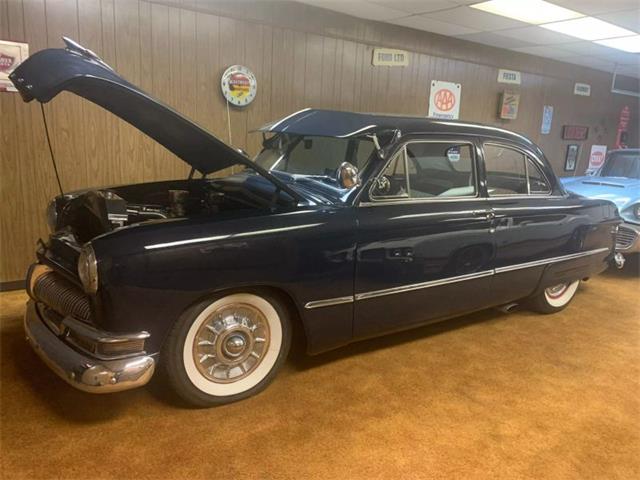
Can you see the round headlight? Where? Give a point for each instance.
(636, 211)
(88, 269)
(52, 216)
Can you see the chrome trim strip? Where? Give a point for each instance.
(408, 201)
(287, 118)
(329, 302)
(419, 286)
(446, 281)
(546, 261)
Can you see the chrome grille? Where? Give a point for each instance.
(62, 296)
(625, 238)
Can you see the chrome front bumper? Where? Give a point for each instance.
(82, 371)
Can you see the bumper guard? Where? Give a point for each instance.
(81, 371)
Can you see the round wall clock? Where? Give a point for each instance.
(239, 85)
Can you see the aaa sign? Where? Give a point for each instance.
(444, 100)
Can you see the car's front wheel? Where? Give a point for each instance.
(554, 298)
(227, 348)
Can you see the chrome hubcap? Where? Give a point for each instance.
(557, 290)
(234, 346)
(231, 343)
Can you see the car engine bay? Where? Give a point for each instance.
(90, 213)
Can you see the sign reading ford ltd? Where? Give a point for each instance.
(444, 100)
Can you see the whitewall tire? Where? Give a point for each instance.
(555, 298)
(226, 348)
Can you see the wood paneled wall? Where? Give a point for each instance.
(302, 57)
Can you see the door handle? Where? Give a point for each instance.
(488, 214)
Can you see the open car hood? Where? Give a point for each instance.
(78, 70)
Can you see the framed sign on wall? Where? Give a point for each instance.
(509, 105)
(574, 132)
(12, 54)
(571, 159)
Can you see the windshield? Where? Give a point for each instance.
(313, 156)
(622, 164)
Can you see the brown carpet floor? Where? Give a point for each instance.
(488, 395)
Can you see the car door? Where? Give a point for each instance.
(423, 242)
(532, 222)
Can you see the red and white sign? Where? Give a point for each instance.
(12, 54)
(444, 100)
(596, 159)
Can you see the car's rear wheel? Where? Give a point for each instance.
(554, 298)
(227, 348)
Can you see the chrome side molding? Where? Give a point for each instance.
(445, 281)
(547, 261)
(420, 286)
(329, 302)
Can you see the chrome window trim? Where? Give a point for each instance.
(446, 281)
(526, 153)
(530, 158)
(421, 200)
(523, 197)
(403, 152)
(408, 200)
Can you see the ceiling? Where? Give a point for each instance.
(455, 18)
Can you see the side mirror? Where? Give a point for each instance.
(383, 186)
(347, 175)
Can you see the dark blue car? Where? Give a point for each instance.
(347, 225)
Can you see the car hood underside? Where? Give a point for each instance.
(78, 70)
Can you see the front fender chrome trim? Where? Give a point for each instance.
(420, 286)
(446, 281)
(329, 302)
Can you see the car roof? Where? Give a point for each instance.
(340, 124)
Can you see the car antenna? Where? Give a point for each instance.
(53, 158)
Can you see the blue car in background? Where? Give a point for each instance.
(617, 180)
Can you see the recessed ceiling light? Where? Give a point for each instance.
(530, 11)
(588, 28)
(627, 44)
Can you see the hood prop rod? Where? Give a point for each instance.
(53, 158)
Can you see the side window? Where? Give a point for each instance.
(506, 170)
(393, 181)
(538, 183)
(442, 169)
